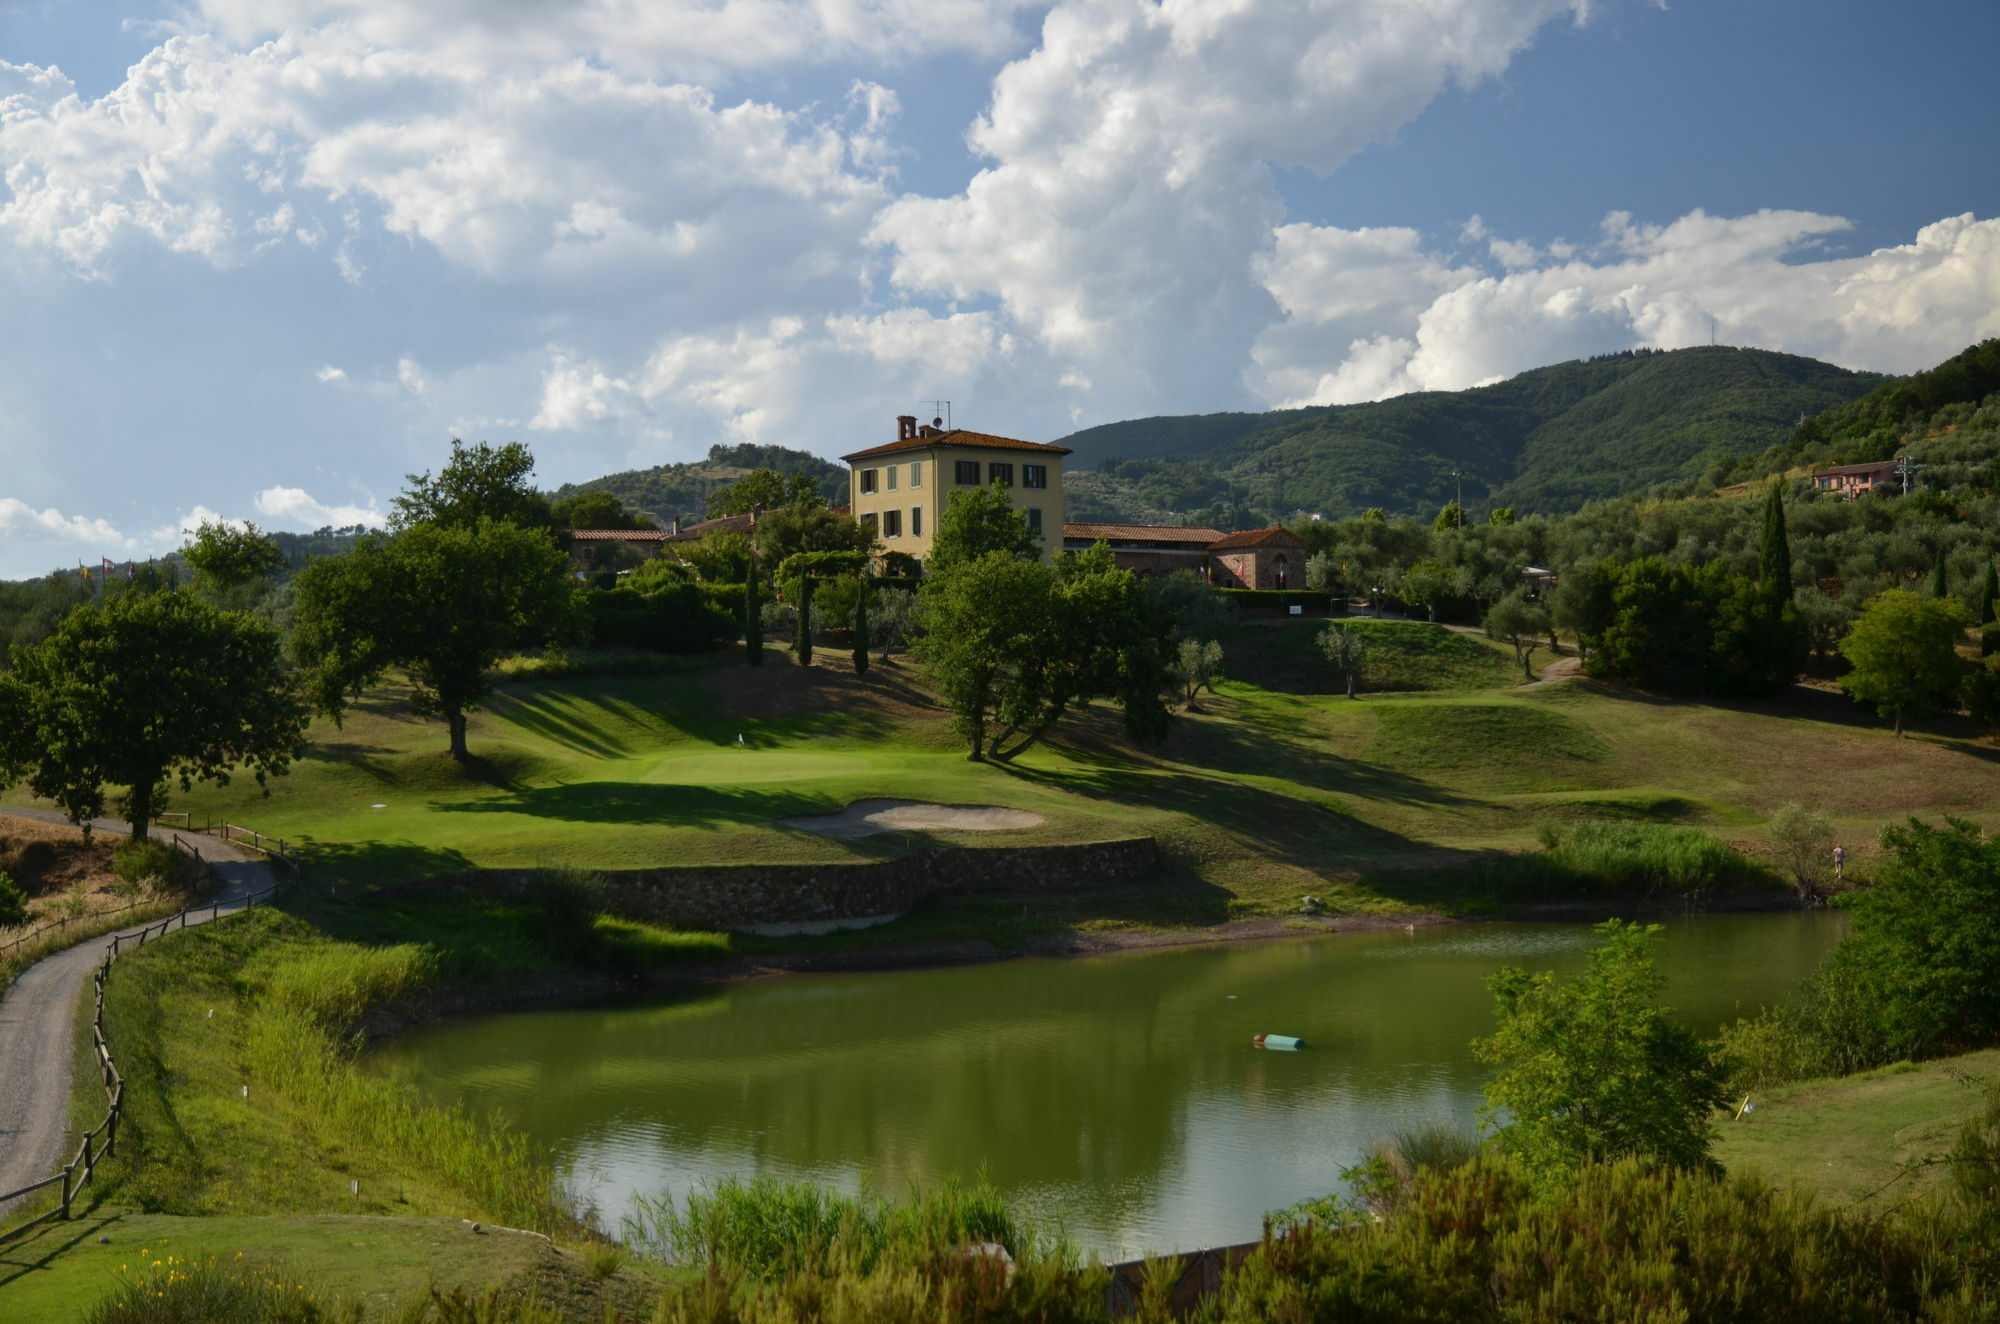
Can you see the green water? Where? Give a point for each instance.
(1120, 1095)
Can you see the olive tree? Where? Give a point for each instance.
(1347, 650)
(142, 689)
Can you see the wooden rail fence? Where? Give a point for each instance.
(77, 1173)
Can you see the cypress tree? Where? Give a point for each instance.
(1938, 587)
(1990, 595)
(753, 618)
(861, 629)
(803, 645)
(1774, 559)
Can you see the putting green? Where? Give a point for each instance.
(756, 765)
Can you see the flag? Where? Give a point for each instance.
(83, 570)
(109, 565)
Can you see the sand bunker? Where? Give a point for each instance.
(864, 818)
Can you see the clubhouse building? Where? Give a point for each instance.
(900, 488)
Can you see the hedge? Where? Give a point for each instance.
(1280, 599)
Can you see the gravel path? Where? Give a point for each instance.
(37, 1017)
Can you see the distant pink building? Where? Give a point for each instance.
(1854, 479)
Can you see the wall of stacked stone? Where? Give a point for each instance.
(736, 895)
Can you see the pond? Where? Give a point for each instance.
(1120, 1096)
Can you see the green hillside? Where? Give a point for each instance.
(1896, 412)
(1546, 441)
(680, 491)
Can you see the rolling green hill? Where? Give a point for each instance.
(1546, 441)
(680, 491)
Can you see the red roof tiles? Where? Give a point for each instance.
(1257, 538)
(1141, 533)
(955, 437)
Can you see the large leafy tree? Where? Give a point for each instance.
(978, 521)
(224, 557)
(765, 489)
(442, 602)
(1903, 653)
(1694, 628)
(144, 688)
(482, 482)
(1013, 644)
(1924, 950)
(1594, 1068)
(594, 509)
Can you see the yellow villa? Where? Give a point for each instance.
(900, 488)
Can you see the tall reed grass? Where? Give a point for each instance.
(775, 1251)
(767, 1227)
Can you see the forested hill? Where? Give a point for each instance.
(1900, 410)
(1545, 441)
(680, 491)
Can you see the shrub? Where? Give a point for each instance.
(1277, 599)
(13, 904)
(674, 617)
(1616, 1241)
(569, 903)
(1801, 838)
(135, 862)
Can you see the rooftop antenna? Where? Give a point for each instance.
(941, 409)
(1711, 328)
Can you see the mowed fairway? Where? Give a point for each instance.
(1275, 787)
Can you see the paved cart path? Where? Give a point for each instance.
(38, 1014)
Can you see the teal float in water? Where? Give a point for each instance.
(1285, 1042)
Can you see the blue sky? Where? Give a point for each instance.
(260, 260)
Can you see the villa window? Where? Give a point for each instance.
(968, 473)
(867, 480)
(1035, 475)
(916, 521)
(916, 474)
(1035, 519)
(868, 522)
(892, 477)
(998, 472)
(892, 524)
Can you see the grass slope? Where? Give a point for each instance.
(1861, 1138)
(1272, 790)
(58, 1271)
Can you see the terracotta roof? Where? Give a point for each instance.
(1256, 538)
(1876, 466)
(727, 524)
(1140, 533)
(616, 535)
(955, 437)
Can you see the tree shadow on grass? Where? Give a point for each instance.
(538, 711)
(377, 863)
(660, 804)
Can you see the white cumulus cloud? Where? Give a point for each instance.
(295, 508)
(1750, 280)
(20, 520)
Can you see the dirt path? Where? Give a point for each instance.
(38, 1017)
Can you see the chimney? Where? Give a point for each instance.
(906, 427)
(677, 526)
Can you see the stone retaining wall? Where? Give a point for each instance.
(742, 895)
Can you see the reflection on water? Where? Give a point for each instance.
(1118, 1095)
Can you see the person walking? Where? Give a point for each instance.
(1839, 862)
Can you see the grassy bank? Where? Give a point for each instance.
(1865, 1139)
